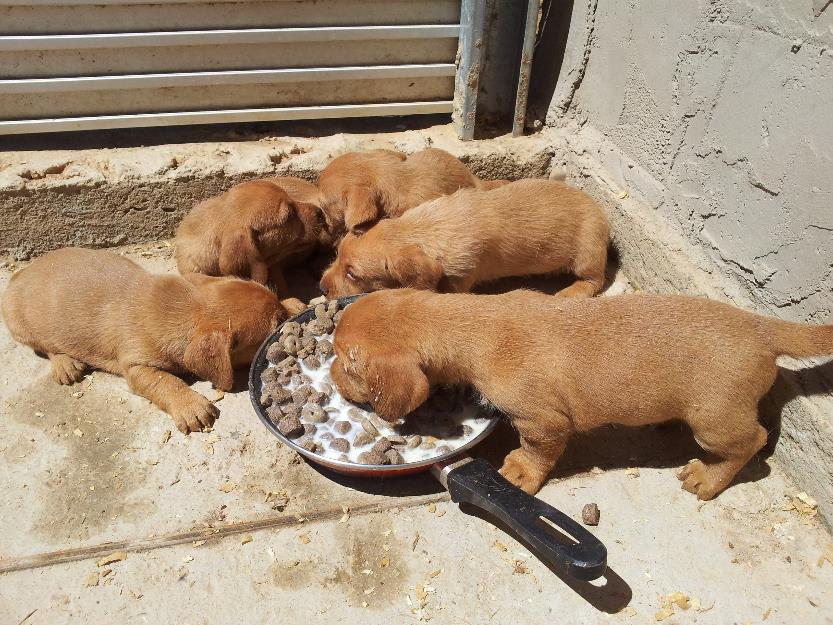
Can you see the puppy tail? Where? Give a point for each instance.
(797, 339)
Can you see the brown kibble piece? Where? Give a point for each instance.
(314, 414)
(590, 514)
(414, 441)
(326, 436)
(342, 427)
(300, 394)
(395, 439)
(291, 344)
(299, 379)
(381, 446)
(354, 414)
(363, 438)
(340, 444)
(369, 427)
(291, 327)
(290, 427)
(275, 353)
(291, 410)
(332, 308)
(275, 413)
(324, 349)
(269, 376)
(308, 444)
(467, 430)
(317, 397)
(443, 449)
(312, 362)
(394, 457)
(287, 363)
(309, 429)
(321, 311)
(371, 457)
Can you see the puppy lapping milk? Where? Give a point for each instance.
(562, 366)
(93, 309)
(452, 243)
(359, 188)
(253, 230)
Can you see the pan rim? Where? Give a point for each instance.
(259, 363)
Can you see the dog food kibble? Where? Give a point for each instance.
(382, 445)
(590, 514)
(363, 438)
(340, 444)
(290, 427)
(324, 349)
(369, 427)
(300, 399)
(342, 427)
(313, 413)
(394, 457)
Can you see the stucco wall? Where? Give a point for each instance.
(728, 105)
(706, 128)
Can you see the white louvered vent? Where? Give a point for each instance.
(89, 64)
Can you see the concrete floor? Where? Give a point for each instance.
(230, 527)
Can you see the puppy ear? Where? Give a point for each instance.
(396, 385)
(361, 209)
(239, 256)
(208, 356)
(414, 268)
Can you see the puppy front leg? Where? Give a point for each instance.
(190, 411)
(528, 467)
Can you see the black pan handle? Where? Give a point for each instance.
(478, 483)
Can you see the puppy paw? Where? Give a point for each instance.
(522, 472)
(696, 478)
(195, 414)
(66, 370)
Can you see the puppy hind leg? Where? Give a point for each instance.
(65, 369)
(589, 269)
(734, 448)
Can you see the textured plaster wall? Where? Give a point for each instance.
(706, 128)
(728, 105)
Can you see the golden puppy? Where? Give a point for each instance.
(556, 367)
(452, 243)
(252, 231)
(86, 308)
(359, 188)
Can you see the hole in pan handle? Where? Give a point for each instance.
(579, 553)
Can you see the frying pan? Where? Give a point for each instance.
(473, 481)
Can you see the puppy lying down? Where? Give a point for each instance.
(359, 188)
(87, 308)
(558, 366)
(452, 243)
(252, 231)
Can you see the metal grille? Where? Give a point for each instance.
(89, 64)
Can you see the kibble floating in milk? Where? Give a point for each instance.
(301, 400)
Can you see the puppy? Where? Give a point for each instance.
(252, 231)
(556, 367)
(452, 243)
(87, 308)
(359, 188)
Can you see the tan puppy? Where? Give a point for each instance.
(359, 188)
(86, 308)
(252, 231)
(556, 367)
(452, 243)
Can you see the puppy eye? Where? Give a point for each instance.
(349, 274)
